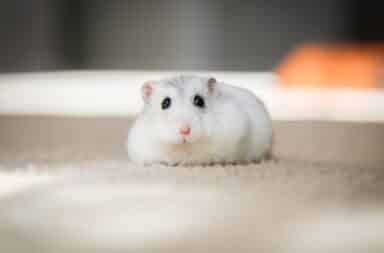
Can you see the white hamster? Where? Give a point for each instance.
(197, 120)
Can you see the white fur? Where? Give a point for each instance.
(233, 127)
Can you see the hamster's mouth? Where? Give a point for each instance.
(183, 142)
(189, 140)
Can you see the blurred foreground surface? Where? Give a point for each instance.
(66, 186)
(57, 140)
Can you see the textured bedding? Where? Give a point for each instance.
(66, 186)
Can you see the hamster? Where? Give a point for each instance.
(198, 120)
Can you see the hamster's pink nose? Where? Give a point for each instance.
(185, 130)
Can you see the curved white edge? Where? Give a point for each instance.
(117, 93)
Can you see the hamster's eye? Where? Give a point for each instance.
(199, 101)
(166, 103)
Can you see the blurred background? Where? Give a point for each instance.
(328, 141)
(265, 46)
(249, 35)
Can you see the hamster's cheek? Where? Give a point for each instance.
(168, 133)
(208, 126)
(196, 130)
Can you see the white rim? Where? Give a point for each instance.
(117, 93)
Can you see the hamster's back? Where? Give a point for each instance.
(257, 116)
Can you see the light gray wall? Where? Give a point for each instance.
(214, 35)
(166, 34)
(29, 38)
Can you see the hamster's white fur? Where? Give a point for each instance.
(232, 127)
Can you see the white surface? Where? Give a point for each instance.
(117, 93)
(168, 209)
(15, 181)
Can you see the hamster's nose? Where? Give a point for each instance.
(186, 130)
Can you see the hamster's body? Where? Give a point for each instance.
(231, 125)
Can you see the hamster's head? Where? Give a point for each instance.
(179, 110)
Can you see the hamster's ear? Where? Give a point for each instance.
(212, 86)
(146, 91)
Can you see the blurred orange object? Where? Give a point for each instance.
(340, 65)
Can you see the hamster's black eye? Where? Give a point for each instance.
(199, 101)
(166, 103)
